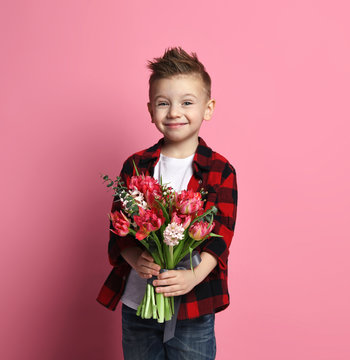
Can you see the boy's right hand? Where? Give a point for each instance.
(145, 265)
(141, 261)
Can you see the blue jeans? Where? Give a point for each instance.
(143, 338)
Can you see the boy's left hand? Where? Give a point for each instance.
(175, 282)
(180, 282)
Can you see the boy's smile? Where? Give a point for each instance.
(177, 106)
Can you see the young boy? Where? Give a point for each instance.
(179, 101)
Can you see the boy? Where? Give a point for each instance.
(179, 101)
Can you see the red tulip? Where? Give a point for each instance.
(188, 202)
(199, 230)
(181, 219)
(120, 223)
(149, 187)
(148, 220)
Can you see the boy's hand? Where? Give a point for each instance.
(180, 282)
(175, 282)
(141, 261)
(145, 265)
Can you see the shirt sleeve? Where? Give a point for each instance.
(117, 243)
(225, 219)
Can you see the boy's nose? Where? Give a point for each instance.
(174, 112)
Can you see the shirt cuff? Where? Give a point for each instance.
(219, 246)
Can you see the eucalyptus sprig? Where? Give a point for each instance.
(121, 194)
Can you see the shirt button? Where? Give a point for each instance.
(200, 181)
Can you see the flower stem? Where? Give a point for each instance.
(167, 309)
(148, 310)
(171, 257)
(160, 307)
(154, 306)
(172, 305)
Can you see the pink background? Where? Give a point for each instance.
(73, 104)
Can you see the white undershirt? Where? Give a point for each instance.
(177, 174)
(174, 172)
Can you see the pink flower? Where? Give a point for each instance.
(173, 233)
(149, 187)
(181, 219)
(148, 220)
(199, 230)
(188, 202)
(120, 223)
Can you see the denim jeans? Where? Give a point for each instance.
(143, 338)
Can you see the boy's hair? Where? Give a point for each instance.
(177, 61)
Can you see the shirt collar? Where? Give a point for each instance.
(201, 161)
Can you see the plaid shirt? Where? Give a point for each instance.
(217, 176)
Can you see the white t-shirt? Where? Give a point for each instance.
(174, 172)
(177, 174)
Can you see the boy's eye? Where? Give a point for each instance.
(162, 103)
(187, 102)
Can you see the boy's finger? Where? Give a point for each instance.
(151, 268)
(155, 267)
(167, 274)
(145, 276)
(151, 271)
(164, 282)
(147, 256)
(151, 265)
(167, 289)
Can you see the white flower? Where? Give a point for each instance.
(173, 233)
(138, 197)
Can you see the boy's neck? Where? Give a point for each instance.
(179, 150)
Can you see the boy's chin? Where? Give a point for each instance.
(179, 139)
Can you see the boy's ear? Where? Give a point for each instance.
(149, 107)
(209, 110)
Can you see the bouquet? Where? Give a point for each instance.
(170, 225)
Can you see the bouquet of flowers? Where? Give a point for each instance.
(168, 224)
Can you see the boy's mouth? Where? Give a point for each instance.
(175, 125)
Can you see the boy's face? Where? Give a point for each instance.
(178, 105)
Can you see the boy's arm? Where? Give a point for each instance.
(225, 219)
(214, 251)
(141, 261)
(179, 282)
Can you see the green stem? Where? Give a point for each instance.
(165, 213)
(171, 257)
(139, 308)
(178, 250)
(172, 305)
(160, 307)
(148, 310)
(166, 255)
(143, 308)
(154, 306)
(136, 171)
(154, 254)
(132, 231)
(160, 253)
(167, 309)
(213, 209)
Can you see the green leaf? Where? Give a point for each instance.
(191, 258)
(215, 235)
(137, 172)
(165, 213)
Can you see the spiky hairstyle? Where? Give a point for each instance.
(177, 61)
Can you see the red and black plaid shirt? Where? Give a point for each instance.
(217, 176)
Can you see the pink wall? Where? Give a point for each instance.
(73, 104)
